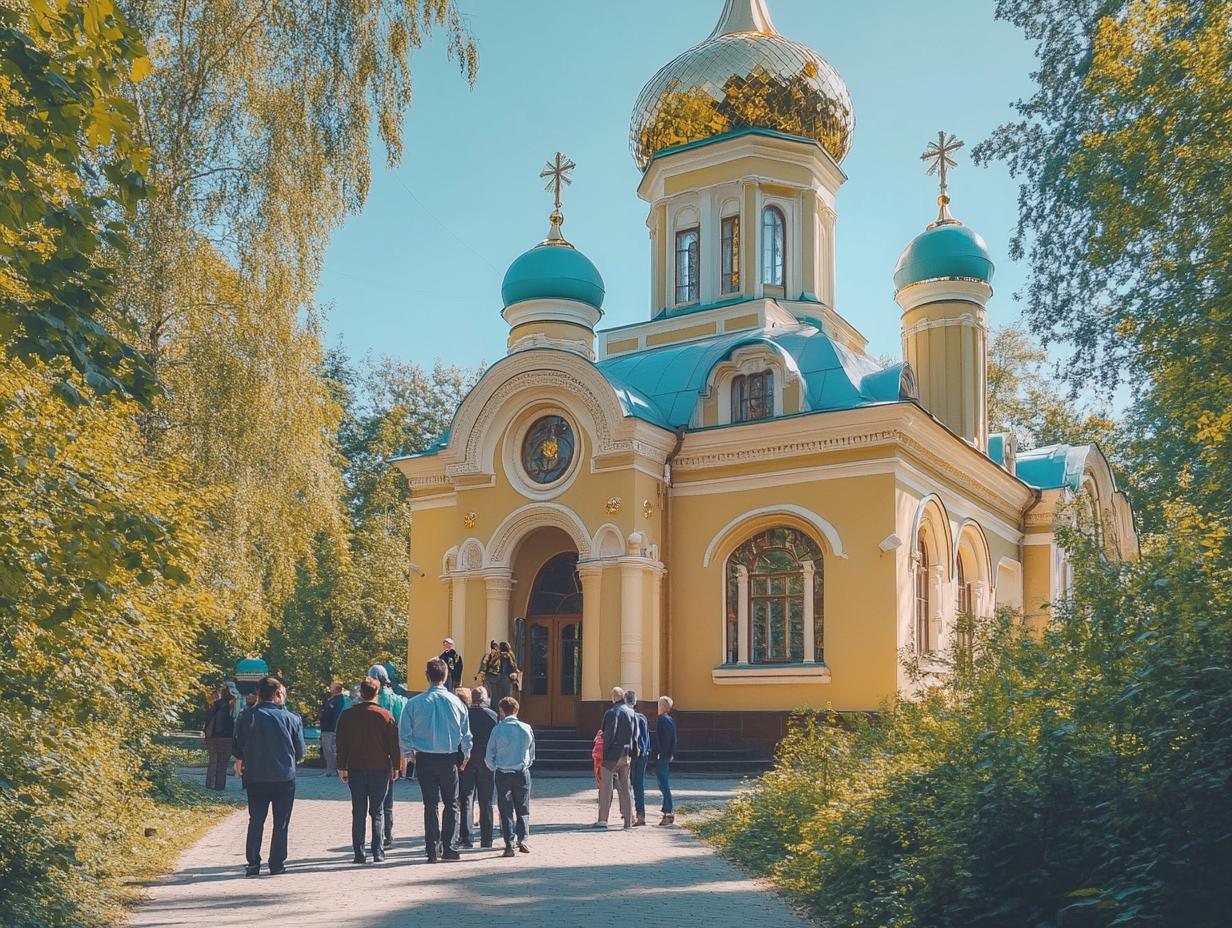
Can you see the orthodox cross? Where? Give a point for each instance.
(557, 175)
(938, 154)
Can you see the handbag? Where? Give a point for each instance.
(516, 679)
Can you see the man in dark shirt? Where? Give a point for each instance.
(369, 760)
(476, 781)
(641, 757)
(619, 735)
(331, 709)
(269, 742)
(453, 663)
(665, 745)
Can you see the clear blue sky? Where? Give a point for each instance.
(417, 274)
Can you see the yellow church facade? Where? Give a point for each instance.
(732, 503)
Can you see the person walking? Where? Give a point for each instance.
(335, 703)
(641, 757)
(453, 661)
(219, 734)
(476, 781)
(665, 746)
(510, 755)
(619, 736)
(394, 704)
(269, 742)
(435, 732)
(369, 758)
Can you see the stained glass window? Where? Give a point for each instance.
(776, 594)
(547, 450)
(752, 397)
(688, 266)
(557, 589)
(773, 246)
(730, 239)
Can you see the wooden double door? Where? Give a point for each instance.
(552, 670)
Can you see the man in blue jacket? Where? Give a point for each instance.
(619, 738)
(269, 742)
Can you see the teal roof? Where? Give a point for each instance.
(950, 250)
(548, 272)
(1054, 467)
(663, 385)
(996, 447)
(251, 665)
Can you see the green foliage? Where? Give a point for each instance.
(1078, 778)
(72, 172)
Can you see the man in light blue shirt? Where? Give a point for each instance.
(511, 752)
(435, 732)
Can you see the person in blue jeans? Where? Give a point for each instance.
(665, 745)
(269, 742)
(510, 755)
(369, 759)
(641, 757)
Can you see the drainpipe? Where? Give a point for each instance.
(665, 587)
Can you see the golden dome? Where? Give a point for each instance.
(745, 76)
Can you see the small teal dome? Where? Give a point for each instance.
(949, 250)
(252, 665)
(553, 272)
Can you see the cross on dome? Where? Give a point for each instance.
(938, 155)
(558, 174)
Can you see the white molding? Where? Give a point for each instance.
(511, 455)
(1039, 538)
(574, 312)
(526, 519)
(828, 531)
(944, 290)
(583, 347)
(977, 320)
(770, 674)
(440, 501)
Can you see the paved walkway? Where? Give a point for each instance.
(575, 876)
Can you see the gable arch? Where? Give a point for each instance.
(932, 517)
(521, 522)
(971, 534)
(820, 528)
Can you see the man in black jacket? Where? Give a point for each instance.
(453, 662)
(269, 742)
(476, 781)
(619, 737)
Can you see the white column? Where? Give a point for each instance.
(591, 576)
(979, 599)
(631, 625)
(742, 613)
(936, 603)
(457, 611)
(656, 635)
(499, 584)
(810, 649)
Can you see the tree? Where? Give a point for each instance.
(73, 171)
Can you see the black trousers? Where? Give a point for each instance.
(388, 808)
(438, 782)
(475, 782)
(368, 791)
(513, 799)
(261, 796)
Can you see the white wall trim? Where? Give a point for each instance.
(770, 674)
(526, 519)
(828, 531)
(440, 501)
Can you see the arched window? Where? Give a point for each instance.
(688, 266)
(774, 593)
(1090, 520)
(773, 247)
(923, 611)
(557, 589)
(752, 397)
(966, 606)
(729, 274)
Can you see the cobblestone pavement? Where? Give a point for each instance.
(574, 875)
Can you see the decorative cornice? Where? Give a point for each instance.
(944, 290)
(978, 320)
(580, 346)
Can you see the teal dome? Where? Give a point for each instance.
(252, 665)
(949, 250)
(553, 272)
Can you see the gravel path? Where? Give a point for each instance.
(574, 875)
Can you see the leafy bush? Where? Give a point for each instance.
(1078, 777)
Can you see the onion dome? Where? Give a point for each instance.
(744, 76)
(553, 270)
(946, 250)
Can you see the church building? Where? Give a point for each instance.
(732, 502)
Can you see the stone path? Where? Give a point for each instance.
(575, 877)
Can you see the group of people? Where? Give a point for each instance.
(449, 738)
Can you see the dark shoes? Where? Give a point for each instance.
(359, 858)
(378, 855)
(389, 841)
(484, 844)
(466, 844)
(277, 872)
(451, 855)
(253, 871)
(508, 852)
(523, 847)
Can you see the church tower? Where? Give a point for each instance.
(553, 294)
(740, 140)
(943, 284)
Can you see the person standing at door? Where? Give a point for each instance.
(510, 755)
(665, 745)
(269, 742)
(641, 756)
(498, 670)
(435, 732)
(476, 781)
(453, 661)
(619, 735)
(369, 758)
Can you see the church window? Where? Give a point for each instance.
(557, 589)
(773, 247)
(547, 450)
(752, 397)
(774, 583)
(923, 633)
(731, 255)
(966, 607)
(688, 261)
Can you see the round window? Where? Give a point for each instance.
(547, 450)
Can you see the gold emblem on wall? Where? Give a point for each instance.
(470, 519)
(647, 508)
(550, 449)
(613, 505)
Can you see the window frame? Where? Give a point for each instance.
(729, 251)
(801, 547)
(923, 598)
(691, 292)
(742, 398)
(770, 249)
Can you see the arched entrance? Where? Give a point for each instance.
(549, 643)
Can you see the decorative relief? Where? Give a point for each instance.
(471, 519)
(613, 505)
(647, 508)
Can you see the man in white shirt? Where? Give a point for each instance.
(511, 753)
